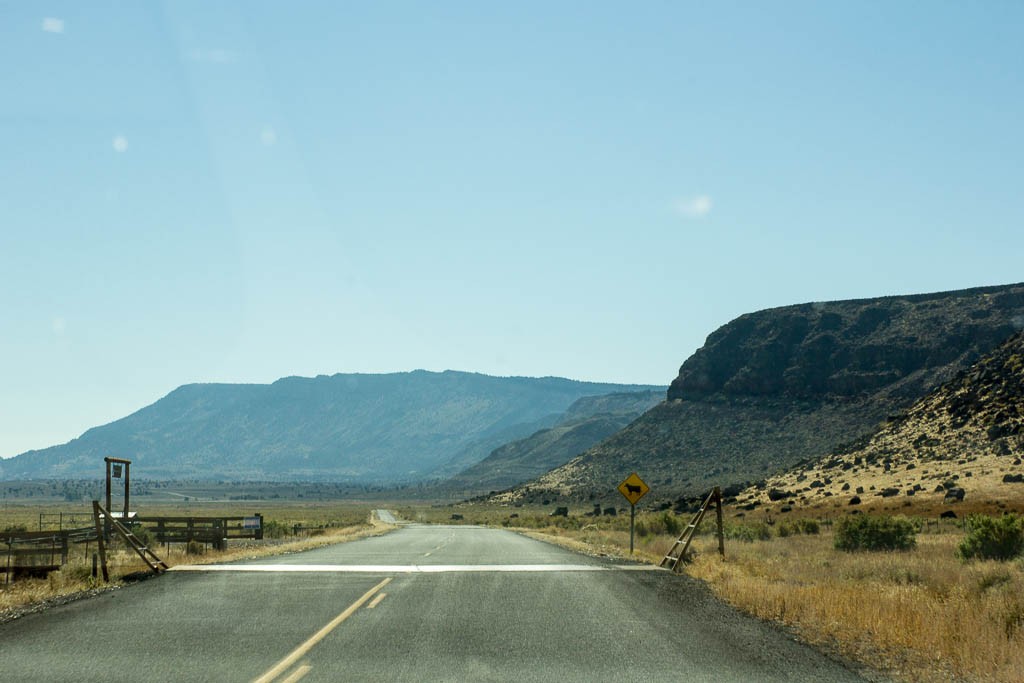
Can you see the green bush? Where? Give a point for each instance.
(787, 528)
(799, 526)
(145, 536)
(992, 538)
(871, 532)
(809, 526)
(672, 523)
(748, 532)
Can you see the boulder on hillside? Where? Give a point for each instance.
(779, 494)
(954, 494)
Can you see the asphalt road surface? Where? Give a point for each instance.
(423, 603)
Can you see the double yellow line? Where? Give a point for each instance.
(301, 650)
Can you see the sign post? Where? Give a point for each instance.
(114, 466)
(633, 489)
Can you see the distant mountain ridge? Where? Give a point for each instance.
(772, 388)
(586, 423)
(385, 428)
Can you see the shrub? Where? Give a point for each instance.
(640, 528)
(992, 538)
(145, 536)
(672, 524)
(274, 529)
(809, 526)
(798, 526)
(748, 532)
(874, 532)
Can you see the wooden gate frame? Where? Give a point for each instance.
(674, 558)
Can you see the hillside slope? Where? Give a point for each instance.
(967, 434)
(778, 386)
(375, 428)
(586, 423)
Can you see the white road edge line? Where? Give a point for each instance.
(409, 568)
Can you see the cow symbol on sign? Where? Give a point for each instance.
(633, 488)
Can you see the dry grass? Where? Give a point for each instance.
(75, 578)
(920, 616)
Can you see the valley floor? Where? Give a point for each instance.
(921, 615)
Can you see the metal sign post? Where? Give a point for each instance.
(632, 518)
(633, 489)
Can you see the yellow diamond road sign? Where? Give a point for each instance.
(633, 488)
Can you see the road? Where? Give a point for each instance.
(422, 603)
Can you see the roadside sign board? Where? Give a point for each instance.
(251, 523)
(633, 488)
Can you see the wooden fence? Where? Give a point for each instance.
(216, 531)
(36, 553)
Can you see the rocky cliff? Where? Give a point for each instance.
(962, 442)
(899, 346)
(778, 386)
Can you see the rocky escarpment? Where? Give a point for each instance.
(899, 346)
(780, 386)
(962, 442)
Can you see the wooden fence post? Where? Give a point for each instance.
(99, 538)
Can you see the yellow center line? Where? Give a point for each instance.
(298, 674)
(376, 600)
(301, 650)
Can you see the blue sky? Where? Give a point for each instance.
(239, 191)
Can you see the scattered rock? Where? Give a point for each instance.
(955, 494)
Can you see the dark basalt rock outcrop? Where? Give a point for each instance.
(843, 349)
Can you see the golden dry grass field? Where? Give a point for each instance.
(320, 524)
